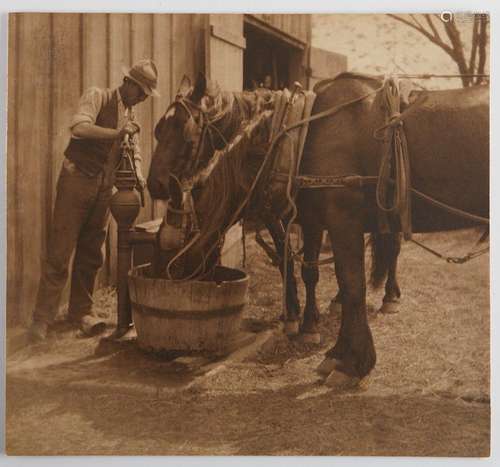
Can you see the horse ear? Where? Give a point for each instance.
(185, 86)
(213, 89)
(199, 88)
(175, 191)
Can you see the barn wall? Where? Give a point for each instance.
(295, 25)
(224, 51)
(52, 59)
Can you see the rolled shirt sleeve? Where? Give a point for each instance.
(88, 107)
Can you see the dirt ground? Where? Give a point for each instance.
(428, 395)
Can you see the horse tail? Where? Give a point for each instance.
(384, 250)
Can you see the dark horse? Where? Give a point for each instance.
(174, 155)
(447, 134)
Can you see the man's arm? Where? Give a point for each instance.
(83, 122)
(89, 130)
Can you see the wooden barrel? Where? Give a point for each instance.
(187, 315)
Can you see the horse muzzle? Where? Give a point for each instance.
(171, 237)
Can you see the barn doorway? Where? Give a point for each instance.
(270, 61)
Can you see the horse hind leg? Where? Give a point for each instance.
(310, 276)
(292, 305)
(390, 246)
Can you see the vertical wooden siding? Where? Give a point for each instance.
(295, 25)
(52, 59)
(225, 43)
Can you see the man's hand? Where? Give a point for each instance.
(141, 181)
(130, 128)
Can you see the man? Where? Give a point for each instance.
(268, 82)
(84, 189)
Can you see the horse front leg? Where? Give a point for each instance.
(310, 276)
(353, 355)
(292, 305)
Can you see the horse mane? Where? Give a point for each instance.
(228, 111)
(227, 173)
(217, 195)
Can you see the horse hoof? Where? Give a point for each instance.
(327, 366)
(342, 382)
(335, 308)
(311, 337)
(389, 308)
(291, 328)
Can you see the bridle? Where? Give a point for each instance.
(205, 125)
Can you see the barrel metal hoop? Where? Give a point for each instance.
(191, 315)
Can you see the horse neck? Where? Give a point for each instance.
(227, 185)
(223, 192)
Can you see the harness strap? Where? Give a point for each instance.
(451, 209)
(359, 181)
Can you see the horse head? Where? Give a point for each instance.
(189, 169)
(174, 136)
(199, 121)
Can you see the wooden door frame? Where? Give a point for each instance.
(296, 46)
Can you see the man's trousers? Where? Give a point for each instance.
(79, 225)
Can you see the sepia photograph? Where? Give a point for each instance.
(248, 234)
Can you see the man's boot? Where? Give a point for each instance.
(37, 332)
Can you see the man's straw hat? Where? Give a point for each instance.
(145, 74)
